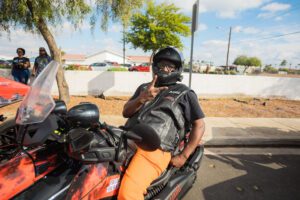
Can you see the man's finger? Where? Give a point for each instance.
(153, 81)
(162, 88)
(157, 90)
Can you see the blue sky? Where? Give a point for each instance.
(251, 22)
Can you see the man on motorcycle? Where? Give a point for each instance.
(169, 108)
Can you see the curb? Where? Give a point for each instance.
(288, 142)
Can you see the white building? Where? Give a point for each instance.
(104, 56)
(70, 59)
(137, 60)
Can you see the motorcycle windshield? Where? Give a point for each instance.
(38, 103)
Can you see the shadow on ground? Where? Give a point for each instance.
(259, 177)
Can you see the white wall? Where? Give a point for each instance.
(125, 83)
(260, 86)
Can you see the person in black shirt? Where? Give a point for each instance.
(162, 98)
(188, 103)
(41, 62)
(20, 67)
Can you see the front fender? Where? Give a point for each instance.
(87, 179)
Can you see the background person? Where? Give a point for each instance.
(41, 62)
(20, 67)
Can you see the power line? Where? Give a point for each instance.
(271, 17)
(274, 16)
(265, 38)
(287, 12)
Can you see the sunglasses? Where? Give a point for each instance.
(19, 51)
(163, 65)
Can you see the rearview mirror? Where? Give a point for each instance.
(149, 138)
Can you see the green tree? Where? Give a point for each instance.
(270, 69)
(247, 61)
(116, 10)
(283, 63)
(159, 26)
(37, 15)
(241, 60)
(254, 61)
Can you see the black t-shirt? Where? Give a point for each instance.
(189, 104)
(16, 61)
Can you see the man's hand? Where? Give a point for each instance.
(151, 91)
(20, 65)
(178, 161)
(134, 105)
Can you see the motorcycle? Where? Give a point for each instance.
(94, 155)
(30, 152)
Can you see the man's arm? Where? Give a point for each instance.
(132, 107)
(34, 69)
(196, 134)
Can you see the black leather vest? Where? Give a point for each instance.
(164, 115)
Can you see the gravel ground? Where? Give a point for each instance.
(217, 107)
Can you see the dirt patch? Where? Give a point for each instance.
(277, 75)
(229, 107)
(251, 107)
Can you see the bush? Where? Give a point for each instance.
(284, 70)
(291, 71)
(232, 72)
(5, 66)
(77, 67)
(185, 69)
(70, 67)
(117, 69)
(294, 71)
(270, 69)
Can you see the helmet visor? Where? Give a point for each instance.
(166, 66)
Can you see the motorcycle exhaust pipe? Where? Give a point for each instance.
(177, 186)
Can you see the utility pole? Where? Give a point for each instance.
(124, 45)
(228, 47)
(193, 29)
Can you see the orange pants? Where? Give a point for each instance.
(144, 168)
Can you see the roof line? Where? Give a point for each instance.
(109, 51)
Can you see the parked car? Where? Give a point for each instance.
(126, 65)
(100, 66)
(5, 64)
(111, 63)
(144, 67)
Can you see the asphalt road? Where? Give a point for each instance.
(241, 173)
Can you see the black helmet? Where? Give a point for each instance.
(172, 55)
